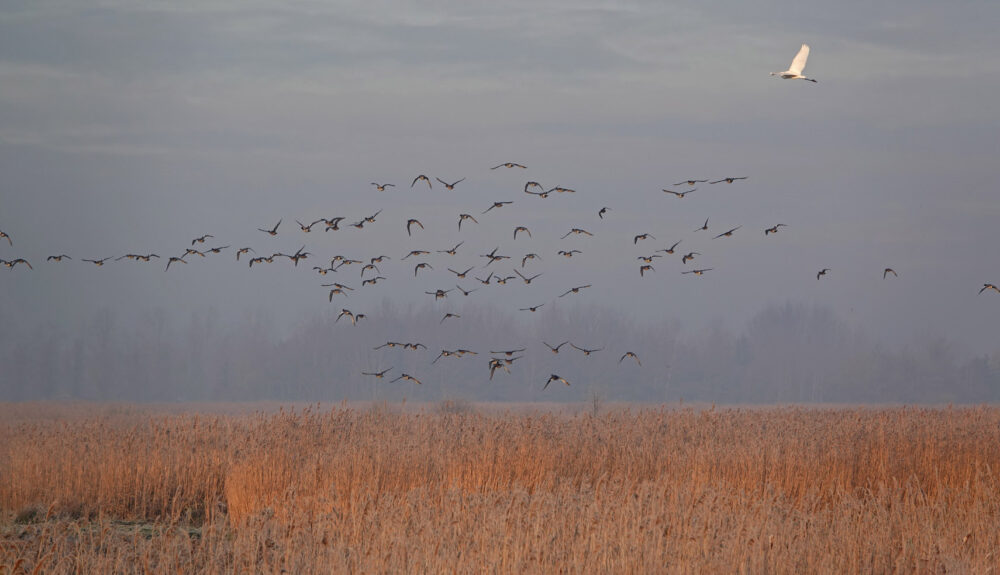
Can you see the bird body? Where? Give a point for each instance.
(574, 290)
(450, 186)
(554, 377)
(794, 72)
(632, 355)
(271, 232)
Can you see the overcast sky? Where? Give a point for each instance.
(137, 126)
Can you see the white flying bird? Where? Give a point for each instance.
(794, 72)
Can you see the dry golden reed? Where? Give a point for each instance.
(783, 490)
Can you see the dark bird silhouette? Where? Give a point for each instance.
(447, 315)
(461, 275)
(552, 378)
(644, 269)
(12, 263)
(412, 221)
(300, 255)
(217, 250)
(139, 257)
(389, 344)
(201, 239)
(585, 351)
(463, 217)
(438, 294)
(273, 231)
(577, 231)
(407, 377)
(989, 286)
(888, 271)
(648, 259)
(333, 224)
(372, 281)
(496, 364)
(574, 290)
(703, 226)
(421, 266)
(509, 352)
(382, 187)
(508, 165)
(450, 186)
(555, 349)
(566, 253)
(562, 190)
(502, 280)
(351, 316)
(688, 257)
(336, 291)
(532, 308)
(445, 353)
(465, 292)
(774, 229)
(486, 281)
(533, 185)
(243, 251)
(822, 272)
(527, 280)
(521, 229)
(416, 253)
(680, 194)
(636, 239)
(497, 205)
(4, 235)
(308, 228)
(529, 257)
(97, 263)
(728, 180)
(338, 286)
(697, 272)
(58, 258)
(194, 252)
(378, 374)
(630, 354)
(603, 211)
(728, 234)
(419, 178)
(172, 260)
(493, 256)
(261, 260)
(670, 250)
(452, 251)
(690, 182)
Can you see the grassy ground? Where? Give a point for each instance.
(88, 489)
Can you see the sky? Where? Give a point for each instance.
(135, 127)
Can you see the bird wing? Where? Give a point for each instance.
(799, 62)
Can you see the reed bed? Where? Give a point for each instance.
(782, 490)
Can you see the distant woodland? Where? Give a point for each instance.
(785, 354)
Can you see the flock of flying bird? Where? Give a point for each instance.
(371, 273)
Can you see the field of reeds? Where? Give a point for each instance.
(471, 490)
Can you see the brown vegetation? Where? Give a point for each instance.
(789, 490)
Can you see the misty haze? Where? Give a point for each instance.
(533, 287)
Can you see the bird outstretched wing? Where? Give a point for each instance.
(799, 63)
